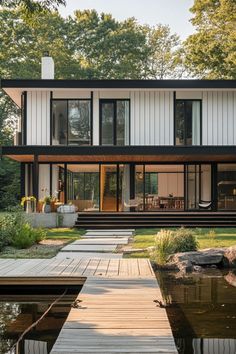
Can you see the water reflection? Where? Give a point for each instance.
(17, 313)
(202, 311)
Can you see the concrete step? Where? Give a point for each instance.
(90, 255)
(102, 241)
(88, 248)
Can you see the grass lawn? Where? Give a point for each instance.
(48, 248)
(221, 237)
(64, 233)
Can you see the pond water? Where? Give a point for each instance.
(18, 312)
(202, 311)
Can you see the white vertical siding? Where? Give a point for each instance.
(96, 118)
(38, 118)
(152, 118)
(152, 115)
(219, 118)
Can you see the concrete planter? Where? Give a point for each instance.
(51, 220)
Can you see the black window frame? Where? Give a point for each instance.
(112, 100)
(67, 122)
(176, 100)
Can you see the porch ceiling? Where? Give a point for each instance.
(137, 154)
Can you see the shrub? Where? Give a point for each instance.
(39, 235)
(168, 242)
(24, 237)
(9, 224)
(185, 240)
(164, 246)
(16, 232)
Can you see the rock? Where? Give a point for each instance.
(231, 278)
(213, 266)
(229, 257)
(197, 268)
(185, 261)
(185, 266)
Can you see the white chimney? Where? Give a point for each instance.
(47, 67)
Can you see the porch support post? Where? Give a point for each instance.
(214, 187)
(65, 181)
(132, 180)
(50, 179)
(36, 177)
(22, 179)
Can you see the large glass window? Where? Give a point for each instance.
(83, 186)
(114, 122)
(188, 122)
(159, 187)
(71, 122)
(226, 186)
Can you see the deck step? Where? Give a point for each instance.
(125, 222)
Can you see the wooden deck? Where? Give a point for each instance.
(115, 311)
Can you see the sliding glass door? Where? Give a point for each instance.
(114, 187)
(108, 187)
(198, 186)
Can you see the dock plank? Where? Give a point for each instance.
(116, 312)
(101, 324)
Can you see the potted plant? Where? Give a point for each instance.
(47, 204)
(53, 204)
(29, 203)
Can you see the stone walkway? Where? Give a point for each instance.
(97, 244)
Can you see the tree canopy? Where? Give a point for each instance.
(211, 51)
(32, 6)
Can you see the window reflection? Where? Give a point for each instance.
(226, 185)
(188, 122)
(71, 122)
(114, 122)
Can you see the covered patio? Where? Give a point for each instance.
(130, 178)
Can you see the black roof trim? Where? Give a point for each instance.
(118, 150)
(128, 84)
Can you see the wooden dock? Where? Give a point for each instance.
(115, 312)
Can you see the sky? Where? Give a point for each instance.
(175, 13)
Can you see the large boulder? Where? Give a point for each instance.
(231, 278)
(230, 257)
(187, 260)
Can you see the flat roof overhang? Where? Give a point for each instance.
(136, 154)
(15, 87)
(119, 84)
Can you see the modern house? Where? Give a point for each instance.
(130, 150)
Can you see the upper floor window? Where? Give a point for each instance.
(187, 122)
(71, 122)
(114, 122)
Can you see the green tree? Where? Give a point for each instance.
(9, 170)
(211, 51)
(106, 48)
(31, 6)
(165, 55)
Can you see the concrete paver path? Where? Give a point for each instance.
(97, 244)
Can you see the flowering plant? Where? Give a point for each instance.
(30, 198)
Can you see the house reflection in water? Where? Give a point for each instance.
(202, 311)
